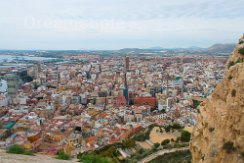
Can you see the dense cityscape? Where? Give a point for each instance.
(125, 81)
(85, 102)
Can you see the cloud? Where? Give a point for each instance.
(108, 24)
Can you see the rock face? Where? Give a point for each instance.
(218, 136)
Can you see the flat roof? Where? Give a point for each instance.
(8, 125)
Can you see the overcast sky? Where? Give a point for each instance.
(114, 24)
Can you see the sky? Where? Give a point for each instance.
(115, 24)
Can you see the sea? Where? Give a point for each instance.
(9, 58)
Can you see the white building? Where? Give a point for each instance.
(3, 93)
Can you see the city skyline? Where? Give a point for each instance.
(122, 24)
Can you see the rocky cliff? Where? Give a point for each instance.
(218, 136)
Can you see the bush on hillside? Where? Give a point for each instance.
(112, 151)
(241, 51)
(174, 126)
(185, 136)
(93, 158)
(165, 142)
(230, 77)
(233, 93)
(195, 104)
(61, 155)
(211, 129)
(17, 149)
(174, 157)
(156, 145)
(128, 143)
(231, 63)
(229, 147)
(144, 134)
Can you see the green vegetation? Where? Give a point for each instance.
(138, 156)
(230, 77)
(61, 155)
(144, 134)
(111, 152)
(176, 157)
(160, 129)
(211, 129)
(242, 154)
(163, 111)
(232, 63)
(195, 104)
(185, 136)
(107, 153)
(17, 149)
(229, 147)
(241, 51)
(92, 158)
(156, 145)
(107, 147)
(128, 143)
(165, 142)
(179, 145)
(141, 136)
(174, 126)
(241, 42)
(182, 141)
(79, 156)
(30, 153)
(233, 93)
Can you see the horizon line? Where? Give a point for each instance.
(149, 48)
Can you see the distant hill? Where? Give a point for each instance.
(156, 48)
(227, 48)
(216, 49)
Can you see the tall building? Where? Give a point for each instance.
(37, 73)
(127, 63)
(37, 70)
(13, 82)
(126, 89)
(3, 93)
